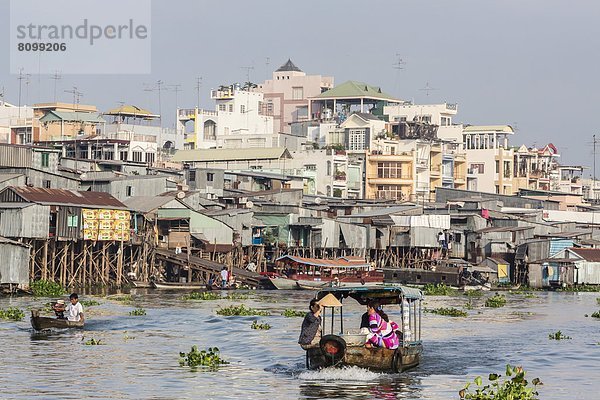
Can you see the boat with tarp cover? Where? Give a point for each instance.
(339, 349)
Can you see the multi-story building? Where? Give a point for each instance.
(535, 168)
(490, 159)
(286, 95)
(241, 119)
(17, 124)
(569, 180)
(61, 121)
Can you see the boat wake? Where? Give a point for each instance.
(354, 374)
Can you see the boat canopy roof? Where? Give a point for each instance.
(342, 262)
(384, 294)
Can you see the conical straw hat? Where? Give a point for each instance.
(329, 301)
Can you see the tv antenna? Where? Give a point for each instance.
(76, 95)
(56, 77)
(427, 89)
(20, 78)
(267, 63)
(248, 69)
(400, 63)
(198, 86)
(157, 88)
(176, 89)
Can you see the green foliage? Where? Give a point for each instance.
(262, 326)
(93, 342)
(123, 298)
(43, 288)
(438, 289)
(89, 303)
(241, 310)
(558, 335)
(447, 311)
(137, 312)
(581, 288)
(473, 293)
(201, 296)
(598, 300)
(206, 358)
(513, 386)
(497, 300)
(12, 313)
(530, 296)
(290, 313)
(596, 314)
(469, 305)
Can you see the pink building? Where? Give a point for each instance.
(286, 95)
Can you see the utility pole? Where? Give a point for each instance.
(198, 86)
(158, 88)
(427, 89)
(248, 69)
(56, 77)
(20, 78)
(176, 89)
(594, 182)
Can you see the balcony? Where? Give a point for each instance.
(402, 180)
(435, 170)
(223, 93)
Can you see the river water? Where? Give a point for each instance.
(139, 358)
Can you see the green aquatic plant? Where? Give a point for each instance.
(202, 296)
(12, 313)
(89, 303)
(469, 305)
(581, 288)
(290, 313)
(137, 312)
(598, 300)
(513, 386)
(236, 296)
(447, 311)
(497, 300)
(596, 314)
(558, 335)
(93, 342)
(473, 293)
(44, 288)
(206, 358)
(530, 296)
(262, 326)
(241, 310)
(122, 298)
(438, 289)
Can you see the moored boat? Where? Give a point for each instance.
(179, 285)
(42, 323)
(339, 349)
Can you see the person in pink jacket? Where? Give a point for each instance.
(381, 332)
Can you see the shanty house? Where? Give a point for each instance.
(15, 272)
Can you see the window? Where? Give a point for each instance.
(328, 168)
(497, 166)
(150, 158)
(45, 160)
(137, 156)
(297, 93)
(310, 167)
(192, 176)
(270, 107)
(123, 155)
(357, 139)
(477, 168)
(210, 177)
(72, 221)
(390, 170)
(129, 191)
(242, 109)
(231, 108)
(392, 150)
(222, 107)
(390, 192)
(47, 184)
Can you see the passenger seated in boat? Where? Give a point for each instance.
(310, 334)
(382, 333)
(75, 309)
(59, 309)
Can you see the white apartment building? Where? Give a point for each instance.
(17, 124)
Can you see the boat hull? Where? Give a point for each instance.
(284, 283)
(42, 323)
(178, 286)
(377, 359)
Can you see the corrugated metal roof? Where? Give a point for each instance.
(72, 116)
(504, 229)
(8, 241)
(213, 155)
(337, 263)
(67, 197)
(592, 255)
(147, 203)
(288, 66)
(7, 177)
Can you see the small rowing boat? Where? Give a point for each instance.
(41, 323)
(178, 285)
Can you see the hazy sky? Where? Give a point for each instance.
(529, 63)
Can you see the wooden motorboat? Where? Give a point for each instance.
(178, 285)
(283, 283)
(339, 349)
(42, 323)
